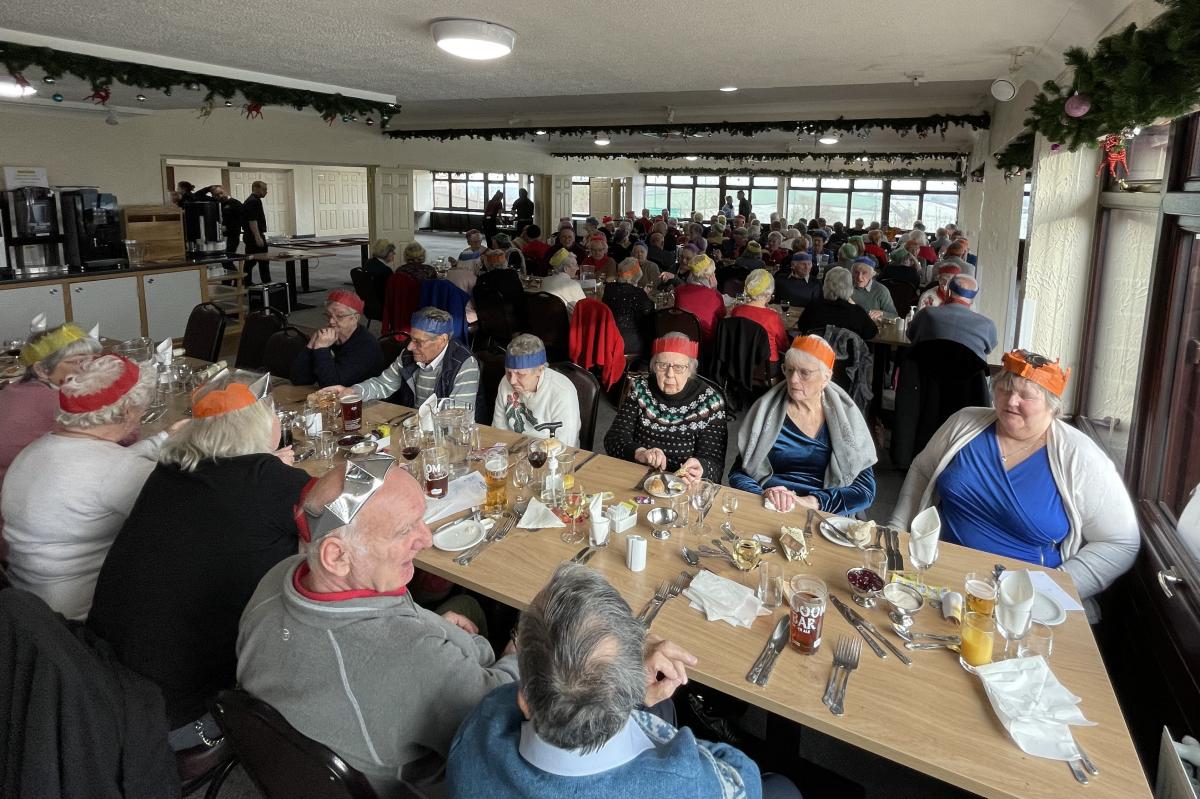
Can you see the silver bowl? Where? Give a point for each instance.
(660, 520)
(904, 602)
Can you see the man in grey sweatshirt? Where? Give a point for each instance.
(335, 643)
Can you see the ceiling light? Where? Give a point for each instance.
(603, 142)
(864, 159)
(539, 133)
(1003, 89)
(473, 39)
(729, 88)
(828, 140)
(11, 88)
(141, 98)
(690, 157)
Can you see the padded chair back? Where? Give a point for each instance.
(392, 346)
(904, 296)
(204, 332)
(281, 351)
(371, 291)
(259, 326)
(402, 296)
(740, 360)
(549, 321)
(952, 377)
(676, 320)
(495, 326)
(491, 372)
(281, 761)
(587, 386)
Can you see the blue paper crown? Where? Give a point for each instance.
(432, 326)
(530, 360)
(959, 290)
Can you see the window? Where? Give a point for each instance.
(904, 208)
(939, 210)
(581, 196)
(655, 197)
(708, 201)
(801, 204)
(866, 204)
(680, 205)
(834, 206)
(460, 191)
(1025, 212)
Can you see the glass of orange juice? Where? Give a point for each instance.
(978, 640)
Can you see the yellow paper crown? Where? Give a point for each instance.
(54, 340)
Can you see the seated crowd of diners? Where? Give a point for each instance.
(207, 560)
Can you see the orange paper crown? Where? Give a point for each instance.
(817, 347)
(223, 400)
(1041, 370)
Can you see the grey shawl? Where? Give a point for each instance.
(849, 436)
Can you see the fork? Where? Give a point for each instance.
(837, 707)
(660, 596)
(839, 662)
(499, 531)
(676, 589)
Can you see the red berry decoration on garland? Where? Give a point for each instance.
(252, 110)
(100, 95)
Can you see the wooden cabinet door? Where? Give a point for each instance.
(20, 304)
(112, 302)
(170, 298)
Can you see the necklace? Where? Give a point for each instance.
(1004, 458)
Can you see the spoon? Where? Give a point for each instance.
(911, 637)
(728, 533)
(691, 556)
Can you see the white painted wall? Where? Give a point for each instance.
(422, 190)
(198, 176)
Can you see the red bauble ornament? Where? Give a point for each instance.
(100, 96)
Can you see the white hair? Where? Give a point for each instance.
(695, 364)
(797, 359)
(625, 266)
(246, 431)
(838, 284)
(98, 374)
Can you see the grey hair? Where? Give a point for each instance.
(794, 359)
(642, 247)
(435, 314)
(695, 364)
(246, 431)
(625, 266)
(97, 375)
(568, 260)
(580, 697)
(838, 284)
(80, 346)
(525, 344)
(1009, 381)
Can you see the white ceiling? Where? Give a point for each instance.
(621, 61)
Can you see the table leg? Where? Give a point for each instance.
(366, 253)
(290, 267)
(304, 276)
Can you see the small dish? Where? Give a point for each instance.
(672, 485)
(459, 535)
(865, 586)
(1047, 610)
(840, 525)
(660, 521)
(904, 601)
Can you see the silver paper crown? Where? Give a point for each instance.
(363, 478)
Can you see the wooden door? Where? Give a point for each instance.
(277, 204)
(341, 202)
(392, 215)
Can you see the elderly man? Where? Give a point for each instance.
(797, 286)
(656, 251)
(333, 640)
(955, 255)
(573, 727)
(531, 395)
(476, 246)
(956, 320)
(873, 296)
(343, 351)
(562, 282)
(732, 247)
(700, 297)
(432, 365)
(382, 262)
(837, 308)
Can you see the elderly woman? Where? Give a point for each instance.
(700, 297)
(630, 305)
(804, 443)
(563, 280)
(531, 395)
(671, 419)
(621, 242)
(414, 263)
(1018, 481)
(565, 240)
(342, 352)
(213, 517)
(870, 294)
(598, 259)
(67, 494)
(476, 246)
(760, 288)
(650, 270)
(837, 308)
(776, 252)
(876, 247)
(939, 294)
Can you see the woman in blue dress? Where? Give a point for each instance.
(805, 444)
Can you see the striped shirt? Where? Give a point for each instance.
(466, 382)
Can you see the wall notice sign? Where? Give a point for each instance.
(17, 176)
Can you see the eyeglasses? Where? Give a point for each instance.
(337, 317)
(421, 342)
(672, 368)
(804, 374)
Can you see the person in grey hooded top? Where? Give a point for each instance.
(335, 643)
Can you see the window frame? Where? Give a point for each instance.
(490, 187)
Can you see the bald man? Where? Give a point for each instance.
(956, 320)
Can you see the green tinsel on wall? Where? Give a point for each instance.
(948, 174)
(847, 159)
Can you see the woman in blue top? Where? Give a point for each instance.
(805, 443)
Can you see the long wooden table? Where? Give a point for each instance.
(933, 717)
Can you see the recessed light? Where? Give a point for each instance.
(539, 132)
(690, 157)
(603, 142)
(473, 39)
(864, 159)
(11, 88)
(828, 140)
(729, 88)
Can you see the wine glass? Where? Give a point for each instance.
(915, 553)
(729, 504)
(572, 505)
(703, 494)
(411, 439)
(522, 476)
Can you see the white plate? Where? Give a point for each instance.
(666, 478)
(460, 535)
(1047, 610)
(842, 525)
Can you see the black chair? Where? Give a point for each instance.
(904, 296)
(589, 390)
(952, 378)
(258, 328)
(496, 324)
(393, 346)
(281, 350)
(491, 372)
(370, 290)
(676, 320)
(281, 761)
(549, 321)
(204, 333)
(205, 765)
(740, 361)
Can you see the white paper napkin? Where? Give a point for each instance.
(94, 333)
(537, 516)
(1033, 706)
(426, 411)
(926, 529)
(38, 323)
(164, 352)
(724, 600)
(463, 492)
(596, 506)
(1014, 601)
(1044, 584)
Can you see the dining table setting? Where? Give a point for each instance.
(971, 668)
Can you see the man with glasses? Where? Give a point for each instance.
(432, 364)
(343, 351)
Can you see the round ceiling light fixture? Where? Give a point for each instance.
(12, 88)
(1003, 89)
(473, 39)
(729, 88)
(603, 142)
(539, 133)
(690, 157)
(828, 140)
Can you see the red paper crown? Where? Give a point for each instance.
(683, 346)
(86, 403)
(347, 298)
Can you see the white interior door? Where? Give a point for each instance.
(277, 205)
(393, 209)
(341, 199)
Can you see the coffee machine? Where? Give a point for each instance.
(30, 223)
(91, 229)
(205, 233)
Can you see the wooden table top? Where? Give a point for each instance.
(933, 717)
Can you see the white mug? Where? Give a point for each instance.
(600, 528)
(635, 553)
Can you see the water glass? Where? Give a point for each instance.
(729, 504)
(770, 584)
(1038, 641)
(522, 476)
(702, 495)
(326, 446)
(875, 560)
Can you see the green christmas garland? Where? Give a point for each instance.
(847, 159)
(102, 73)
(920, 127)
(948, 174)
(1131, 79)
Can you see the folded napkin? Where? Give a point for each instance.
(94, 333)
(1014, 602)
(596, 506)
(1033, 706)
(426, 411)
(724, 600)
(925, 530)
(537, 516)
(38, 323)
(164, 352)
(464, 492)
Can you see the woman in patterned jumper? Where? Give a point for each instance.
(530, 394)
(672, 419)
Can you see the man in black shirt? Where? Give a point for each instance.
(254, 230)
(522, 209)
(743, 206)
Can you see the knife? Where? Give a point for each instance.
(777, 642)
(856, 623)
(875, 632)
(895, 560)
(586, 461)
(579, 554)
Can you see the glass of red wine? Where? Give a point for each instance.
(539, 452)
(410, 443)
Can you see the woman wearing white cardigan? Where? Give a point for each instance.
(1017, 481)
